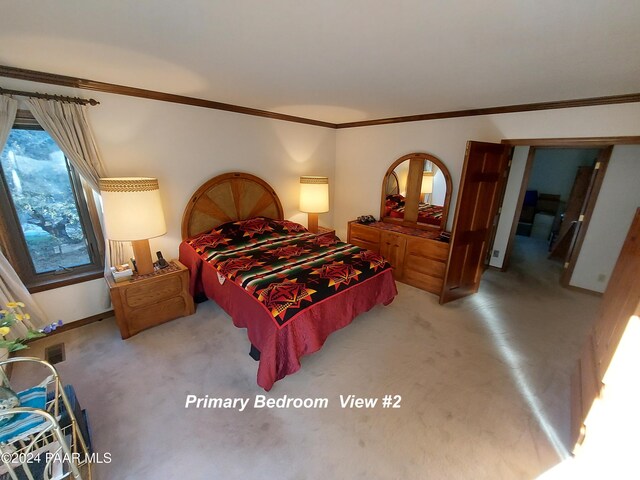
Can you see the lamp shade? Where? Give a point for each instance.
(132, 208)
(314, 194)
(427, 183)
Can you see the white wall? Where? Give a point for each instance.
(183, 146)
(509, 205)
(365, 153)
(617, 203)
(554, 169)
(75, 302)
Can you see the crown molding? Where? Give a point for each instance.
(523, 107)
(85, 84)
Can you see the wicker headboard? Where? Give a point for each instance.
(229, 197)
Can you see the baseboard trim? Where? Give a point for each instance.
(82, 322)
(593, 293)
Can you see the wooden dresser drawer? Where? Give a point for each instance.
(365, 237)
(364, 233)
(156, 291)
(422, 281)
(425, 248)
(369, 246)
(424, 266)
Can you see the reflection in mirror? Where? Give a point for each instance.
(416, 191)
(433, 191)
(396, 190)
(393, 184)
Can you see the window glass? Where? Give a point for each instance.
(39, 182)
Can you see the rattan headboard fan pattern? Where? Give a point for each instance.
(229, 197)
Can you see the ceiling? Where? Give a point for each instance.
(336, 60)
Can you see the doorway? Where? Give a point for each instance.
(555, 192)
(550, 195)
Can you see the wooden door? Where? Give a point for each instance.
(589, 203)
(620, 301)
(483, 176)
(392, 247)
(581, 184)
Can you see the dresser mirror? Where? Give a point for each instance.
(416, 192)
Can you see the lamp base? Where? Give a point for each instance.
(142, 254)
(312, 222)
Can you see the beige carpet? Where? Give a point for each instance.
(484, 385)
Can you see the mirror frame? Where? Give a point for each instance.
(414, 184)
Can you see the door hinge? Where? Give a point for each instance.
(598, 165)
(581, 218)
(566, 264)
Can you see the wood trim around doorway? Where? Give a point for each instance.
(577, 142)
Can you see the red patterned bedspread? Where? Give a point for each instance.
(288, 287)
(427, 213)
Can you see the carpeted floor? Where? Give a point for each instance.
(484, 384)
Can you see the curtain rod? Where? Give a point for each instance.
(46, 96)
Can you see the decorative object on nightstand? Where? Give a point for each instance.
(314, 199)
(145, 301)
(133, 212)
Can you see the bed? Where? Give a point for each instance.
(288, 287)
(427, 213)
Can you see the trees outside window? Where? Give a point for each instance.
(44, 210)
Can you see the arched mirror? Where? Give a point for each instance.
(416, 191)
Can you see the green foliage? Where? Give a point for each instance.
(8, 318)
(13, 345)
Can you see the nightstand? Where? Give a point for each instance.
(326, 232)
(145, 301)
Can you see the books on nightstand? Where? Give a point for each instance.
(121, 273)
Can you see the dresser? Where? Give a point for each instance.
(418, 257)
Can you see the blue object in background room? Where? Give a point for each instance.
(530, 198)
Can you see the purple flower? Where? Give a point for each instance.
(51, 327)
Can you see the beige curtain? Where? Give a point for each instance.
(8, 110)
(13, 290)
(11, 287)
(68, 126)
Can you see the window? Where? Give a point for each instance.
(50, 237)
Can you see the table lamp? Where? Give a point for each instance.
(314, 199)
(427, 185)
(133, 212)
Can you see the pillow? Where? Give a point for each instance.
(244, 232)
(395, 199)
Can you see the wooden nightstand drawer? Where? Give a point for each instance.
(141, 319)
(153, 292)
